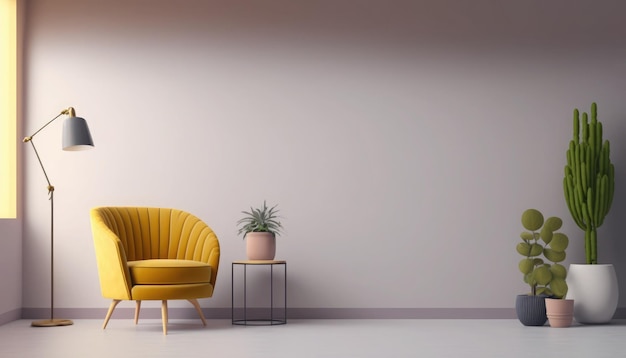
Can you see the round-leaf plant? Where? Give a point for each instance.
(541, 243)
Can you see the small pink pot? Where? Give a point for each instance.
(260, 245)
(560, 312)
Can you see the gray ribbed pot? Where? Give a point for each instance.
(531, 310)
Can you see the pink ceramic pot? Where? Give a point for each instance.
(560, 312)
(260, 245)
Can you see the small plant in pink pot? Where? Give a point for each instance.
(259, 227)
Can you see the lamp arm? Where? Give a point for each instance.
(50, 186)
(69, 111)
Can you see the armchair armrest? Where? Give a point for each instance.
(115, 282)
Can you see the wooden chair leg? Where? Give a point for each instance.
(164, 315)
(137, 308)
(110, 312)
(195, 303)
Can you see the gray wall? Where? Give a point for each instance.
(10, 266)
(402, 140)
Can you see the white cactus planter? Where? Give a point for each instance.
(594, 291)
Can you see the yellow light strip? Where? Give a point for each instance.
(8, 108)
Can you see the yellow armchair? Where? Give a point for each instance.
(154, 254)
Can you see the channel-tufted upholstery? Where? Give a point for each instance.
(154, 254)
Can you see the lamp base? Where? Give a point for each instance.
(52, 323)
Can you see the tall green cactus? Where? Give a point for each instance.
(589, 179)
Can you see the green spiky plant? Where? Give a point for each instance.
(542, 240)
(589, 179)
(260, 220)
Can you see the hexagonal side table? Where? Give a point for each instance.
(271, 319)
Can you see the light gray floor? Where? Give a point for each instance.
(378, 338)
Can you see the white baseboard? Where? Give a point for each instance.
(292, 313)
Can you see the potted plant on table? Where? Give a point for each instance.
(589, 186)
(259, 227)
(543, 248)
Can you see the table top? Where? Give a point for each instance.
(259, 262)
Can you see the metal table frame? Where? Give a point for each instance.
(258, 321)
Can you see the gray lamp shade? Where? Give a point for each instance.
(76, 135)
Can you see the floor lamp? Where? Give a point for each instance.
(76, 136)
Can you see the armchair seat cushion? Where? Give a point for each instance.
(168, 272)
